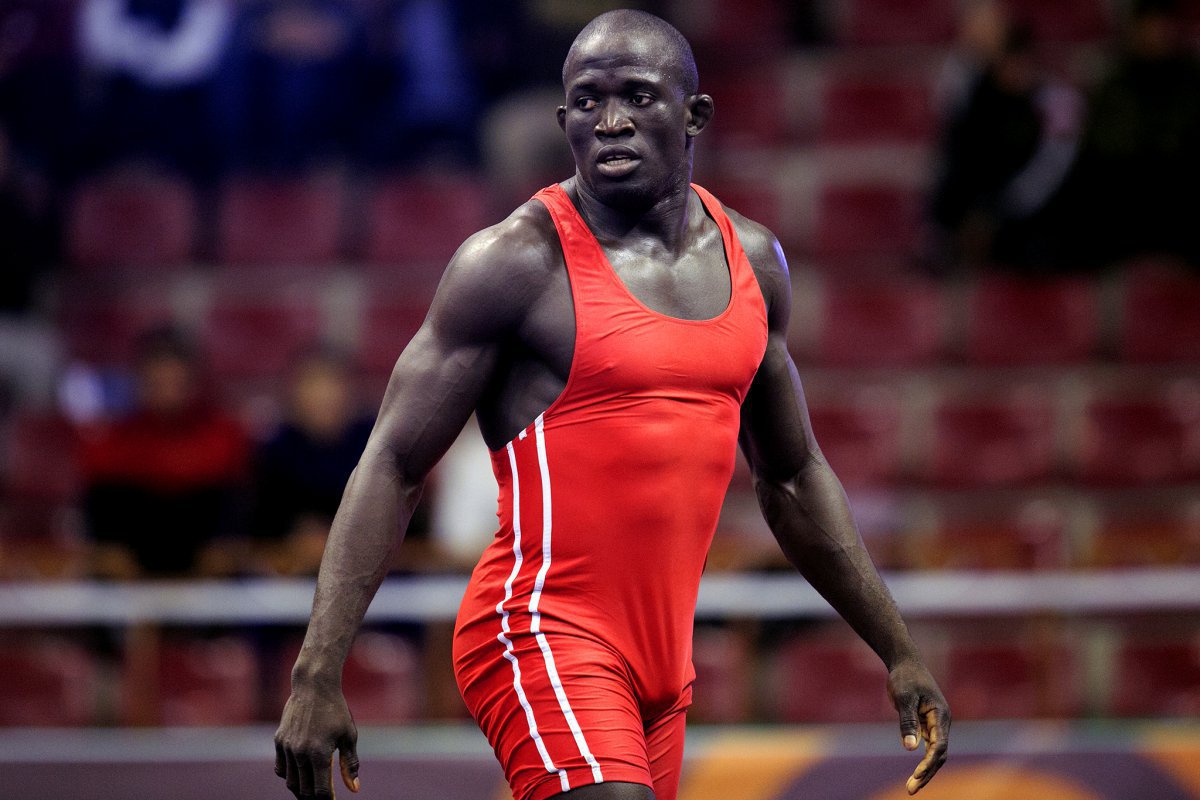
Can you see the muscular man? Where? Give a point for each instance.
(617, 336)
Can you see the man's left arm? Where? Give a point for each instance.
(807, 511)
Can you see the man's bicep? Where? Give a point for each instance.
(440, 376)
(776, 435)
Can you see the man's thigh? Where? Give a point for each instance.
(609, 791)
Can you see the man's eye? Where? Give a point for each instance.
(641, 99)
(585, 103)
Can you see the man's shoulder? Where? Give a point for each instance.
(761, 245)
(523, 246)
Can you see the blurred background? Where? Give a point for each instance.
(221, 221)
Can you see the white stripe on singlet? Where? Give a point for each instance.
(504, 629)
(536, 624)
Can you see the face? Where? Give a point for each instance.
(166, 384)
(627, 119)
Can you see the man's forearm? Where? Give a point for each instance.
(811, 519)
(370, 522)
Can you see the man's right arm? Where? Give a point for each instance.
(434, 388)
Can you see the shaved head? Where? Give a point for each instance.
(676, 51)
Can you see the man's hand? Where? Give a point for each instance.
(314, 724)
(923, 710)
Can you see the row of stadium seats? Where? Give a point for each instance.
(821, 676)
(251, 325)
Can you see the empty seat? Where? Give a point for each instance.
(870, 108)
(828, 679)
(246, 336)
(101, 327)
(265, 222)
(49, 681)
(880, 324)
(1006, 439)
(131, 220)
(41, 457)
(722, 692)
(751, 112)
(875, 22)
(860, 221)
(1007, 680)
(389, 323)
(1142, 439)
(991, 535)
(420, 221)
(1158, 678)
(202, 682)
(720, 27)
(1065, 20)
(1014, 321)
(382, 679)
(860, 436)
(1159, 319)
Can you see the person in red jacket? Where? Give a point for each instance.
(162, 482)
(617, 337)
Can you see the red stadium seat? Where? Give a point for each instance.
(48, 681)
(750, 111)
(204, 682)
(723, 677)
(1160, 322)
(880, 324)
(1014, 321)
(1000, 680)
(1006, 439)
(264, 222)
(738, 26)
(1065, 20)
(860, 436)
(382, 679)
(388, 325)
(1158, 679)
(858, 221)
(424, 220)
(877, 107)
(1142, 439)
(246, 337)
(41, 458)
(100, 324)
(876, 22)
(828, 679)
(137, 221)
(992, 535)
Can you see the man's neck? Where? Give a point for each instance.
(664, 219)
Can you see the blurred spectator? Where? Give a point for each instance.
(1006, 153)
(152, 64)
(983, 27)
(464, 501)
(290, 92)
(162, 483)
(421, 102)
(300, 472)
(1139, 172)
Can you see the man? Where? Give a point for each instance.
(613, 335)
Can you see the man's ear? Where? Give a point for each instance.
(700, 112)
(562, 117)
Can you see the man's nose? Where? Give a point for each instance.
(613, 121)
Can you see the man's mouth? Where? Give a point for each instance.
(617, 161)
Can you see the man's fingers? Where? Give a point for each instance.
(280, 760)
(935, 730)
(305, 776)
(293, 773)
(322, 775)
(910, 724)
(348, 759)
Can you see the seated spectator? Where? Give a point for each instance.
(153, 63)
(1139, 172)
(1006, 152)
(300, 472)
(290, 91)
(161, 485)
